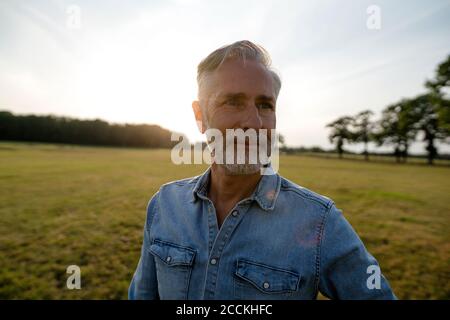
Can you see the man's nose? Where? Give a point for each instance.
(252, 119)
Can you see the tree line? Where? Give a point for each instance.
(97, 132)
(401, 123)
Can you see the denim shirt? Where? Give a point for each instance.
(284, 242)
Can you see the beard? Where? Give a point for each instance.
(241, 169)
(243, 166)
(241, 157)
(246, 165)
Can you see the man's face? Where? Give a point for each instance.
(241, 96)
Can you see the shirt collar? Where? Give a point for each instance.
(265, 195)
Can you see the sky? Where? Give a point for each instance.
(135, 61)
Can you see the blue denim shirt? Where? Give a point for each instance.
(283, 242)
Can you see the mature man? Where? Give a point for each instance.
(234, 233)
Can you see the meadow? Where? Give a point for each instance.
(62, 205)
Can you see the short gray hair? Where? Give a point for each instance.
(243, 49)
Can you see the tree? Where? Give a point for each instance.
(442, 77)
(425, 109)
(439, 91)
(340, 132)
(397, 127)
(282, 141)
(90, 132)
(363, 130)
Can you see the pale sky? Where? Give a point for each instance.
(135, 61)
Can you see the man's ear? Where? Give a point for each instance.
(198, 116)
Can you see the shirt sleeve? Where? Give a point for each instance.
(346, 269)
(144, 284)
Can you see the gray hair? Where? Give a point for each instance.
(245, 50)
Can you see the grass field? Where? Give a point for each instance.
(63, 205)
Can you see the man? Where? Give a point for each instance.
(234, 233)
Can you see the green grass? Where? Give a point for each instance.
(63, 205)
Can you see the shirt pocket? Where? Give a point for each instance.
(173, 268)
(253, 280)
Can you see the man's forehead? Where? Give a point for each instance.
(236, 77)
(242, 95)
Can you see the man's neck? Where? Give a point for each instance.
(226, 190)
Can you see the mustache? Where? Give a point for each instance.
(265, 138)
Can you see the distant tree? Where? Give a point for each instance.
(340, 133)
(434, 109)
(89, 132)
(439, 88)
(281, 141)
(363, 130)
(426, 109)
(442, 77)
(397, 127)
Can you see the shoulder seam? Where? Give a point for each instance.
(320, 231)
(182, 182)
(305, 195)
(152, 214)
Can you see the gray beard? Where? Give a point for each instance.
(241, 169)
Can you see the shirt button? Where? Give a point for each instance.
(266, 285)
(234, 213)
(213, 261)
(168, 258)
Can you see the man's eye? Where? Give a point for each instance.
(265, 106)
(233, 102)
